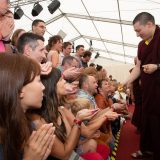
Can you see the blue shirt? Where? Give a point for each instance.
(83, 94)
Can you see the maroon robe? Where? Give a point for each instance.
(137, 114)
(150, 84)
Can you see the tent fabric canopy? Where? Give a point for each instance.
(108, 23)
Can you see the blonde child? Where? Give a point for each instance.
(85, 145)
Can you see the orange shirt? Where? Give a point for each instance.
(102, 102)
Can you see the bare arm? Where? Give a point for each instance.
(90, 129)
(132, 95)
(135, 73)
(97, 121)
(61, 150)
(55, 58)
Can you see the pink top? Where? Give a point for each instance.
(2, 48)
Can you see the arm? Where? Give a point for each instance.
(71, 73)
(61, 150)
(69, 115)
(96, 122)
(132, 95)
(55, 58)
(6, 29)
(135, 73)
(91, 128)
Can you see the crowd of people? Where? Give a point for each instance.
(54, 105)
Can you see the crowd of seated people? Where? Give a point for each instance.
(53, 106)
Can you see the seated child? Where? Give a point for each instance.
(85, 145)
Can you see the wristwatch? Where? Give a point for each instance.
(158, 66)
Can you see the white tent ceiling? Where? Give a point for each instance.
(108, 23)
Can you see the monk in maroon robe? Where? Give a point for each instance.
(148, 67)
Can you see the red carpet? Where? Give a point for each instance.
(129, 140)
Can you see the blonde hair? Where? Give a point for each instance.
(102, 74)
(79, 104)
(90, 71)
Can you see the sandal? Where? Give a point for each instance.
(137, 155)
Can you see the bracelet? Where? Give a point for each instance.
(6, 42)
(77, 122)
(63, 76)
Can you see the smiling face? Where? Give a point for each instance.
(106, 87)
(58, 45)
(143, 31)
(32, 94)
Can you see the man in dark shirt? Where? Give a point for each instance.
(86, 58)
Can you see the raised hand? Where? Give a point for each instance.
(7, 26)
(118, 107)
(72, 73)
(46, 68)
(65, 88)
(40, 143)
(85, 114)
(111, 116)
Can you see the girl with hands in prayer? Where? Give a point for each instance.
(21, 90)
